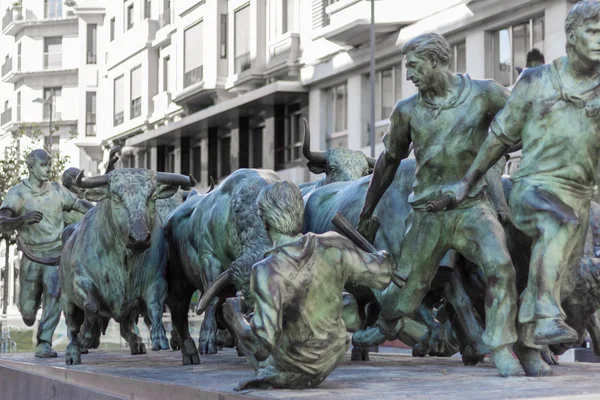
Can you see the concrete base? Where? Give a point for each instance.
(160, 375)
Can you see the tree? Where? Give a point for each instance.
(13, 168)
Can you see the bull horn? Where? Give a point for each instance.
(40, 260)
(411, 147)
(175, 179)
(212, 184)
(213, 291)
(90, 183)
(316, 157)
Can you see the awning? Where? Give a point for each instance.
(247, 104)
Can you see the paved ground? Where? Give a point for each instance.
(387, 376)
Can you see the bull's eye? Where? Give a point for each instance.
(333, 169)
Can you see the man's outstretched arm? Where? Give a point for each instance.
(397, 142)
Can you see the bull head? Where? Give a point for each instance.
(133, 194)
(337, 164)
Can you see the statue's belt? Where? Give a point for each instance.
(29, 254)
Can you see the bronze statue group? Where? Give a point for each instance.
(482, 264)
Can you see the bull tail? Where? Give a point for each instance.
(40, 260)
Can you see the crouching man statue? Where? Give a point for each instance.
(40, 241)
(297, 336)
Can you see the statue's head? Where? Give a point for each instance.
(39, 164)
(582, 27)
(281, 208)
(69, 178)
(426, 56)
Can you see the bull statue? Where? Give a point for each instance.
(347, 198)
(338, 164)
(214, 240)
(113, 263)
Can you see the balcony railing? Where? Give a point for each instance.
(242, 63)
(52, 60)
(56, 115)
(194, 76)
(6, 116)
(92, 58)
(7, 19)
(136, 107)
(118, 118)
(7, 66)
(165, 18)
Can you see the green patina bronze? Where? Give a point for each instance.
(35, 209)
(447, 122)
(554, 110)
(297, 335)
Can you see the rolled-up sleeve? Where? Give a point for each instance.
(508, 124)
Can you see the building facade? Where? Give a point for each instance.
(48, 62)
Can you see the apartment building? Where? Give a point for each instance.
(49, 75)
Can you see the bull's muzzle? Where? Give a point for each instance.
(139, 241)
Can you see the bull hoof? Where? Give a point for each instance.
(137, 346)
(240, 353)
(208, 342)
(84, 351)
(549, 357)
(532, 362)
(175, 341)
(419, 350)
(159, 339)
(72, 355)
(505, 363)
(189, 352)
(474, 354)
(359, 354)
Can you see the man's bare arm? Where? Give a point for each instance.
(83, 206)
(10, 222)
(397, 148)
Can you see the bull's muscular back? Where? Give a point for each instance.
(223, 224)
(348, 198)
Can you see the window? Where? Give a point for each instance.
(388, 86)
(225, 150)
(256, 145)
(147, 9)
(288, 15)
(112, 29)
(90, 114)
(129, 16)
(197, 163)
(193, 57)
(459, 58)
(242, 39)
(92, 30)
(54, 95)
(136, 92)
(118, 101)
(165, 17)
(223, 47)
(19, 49)
(18, 106)
(293, 139)
(510, 46)
(53, 8)
(337, 106)
(166, 62)
(52, 52)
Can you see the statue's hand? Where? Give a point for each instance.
(451, 196)
(31, 218)
(232, 307)
(368, 227)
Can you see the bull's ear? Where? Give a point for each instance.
(97, 193)
(166, 191)
(316, 168)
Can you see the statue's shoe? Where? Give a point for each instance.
(44, 350)
(553, 331)
(505, 363)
